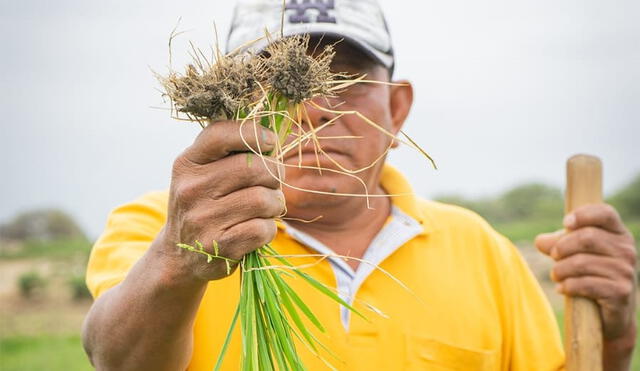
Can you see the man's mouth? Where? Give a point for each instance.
(309, 155)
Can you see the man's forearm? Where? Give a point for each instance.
(144, 323)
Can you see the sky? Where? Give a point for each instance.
(506, 91)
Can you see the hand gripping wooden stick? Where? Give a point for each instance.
(583, 326)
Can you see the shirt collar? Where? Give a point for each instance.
(403, 197)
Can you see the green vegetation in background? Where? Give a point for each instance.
(43, 233)
(78, 287)
(530, 209)
(627, 200)
(46, 352)
(56, 249)
(31, 283)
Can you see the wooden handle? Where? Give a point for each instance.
(583, 327)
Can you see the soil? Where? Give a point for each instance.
(50, 311)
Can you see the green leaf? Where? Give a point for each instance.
(278, 321)
(260, 284)
(264, 121)
(328, 292)
(293, 313)
(264, 356)
(313, 282)
(303, 307)
(227, 340)
(250, 356)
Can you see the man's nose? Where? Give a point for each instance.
(318, 113)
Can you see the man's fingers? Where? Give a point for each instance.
(591, 240)
(221, 138)
(250, 203)
(545, 242)
(595, 215)
(218, 179)
(245, 237)
(235, 208)
(581, 265)
(242, 170)
(596, 288)
(241, 239)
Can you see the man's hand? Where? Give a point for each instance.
(596, 258)
(221, 195)
(217, 194)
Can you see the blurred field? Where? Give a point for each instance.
(41, 330)
(45, 352)
(43, 299)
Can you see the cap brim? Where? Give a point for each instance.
(384, 59)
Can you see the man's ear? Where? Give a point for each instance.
(400, 102)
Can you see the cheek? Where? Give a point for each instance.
(374, 128)
(372, 104)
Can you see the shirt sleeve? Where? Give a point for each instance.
(532, 339)
(130, 230)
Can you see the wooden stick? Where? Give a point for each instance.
(583, 327)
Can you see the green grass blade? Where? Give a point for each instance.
(293, 314)
(328, 292)
(248, 325)
(264, 356)
(274, 345)
(242, 307)
(313, 282)
(259, 279)
(278, 321)
(300, 303)
(227, 340)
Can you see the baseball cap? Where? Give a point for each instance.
(359, 22)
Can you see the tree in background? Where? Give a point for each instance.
(528, 209)
(627, 200)
(41, 225)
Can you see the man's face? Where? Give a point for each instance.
(351, 144)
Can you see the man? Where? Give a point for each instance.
(472, 303)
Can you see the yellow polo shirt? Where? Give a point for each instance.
(473, 304)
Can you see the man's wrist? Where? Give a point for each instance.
(617, 353)
(172, 272)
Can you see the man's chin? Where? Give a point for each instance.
(300, 203)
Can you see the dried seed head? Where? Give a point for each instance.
(216, 91)
(295, 74)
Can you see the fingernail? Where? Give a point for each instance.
(266, 138)
(569, 221)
